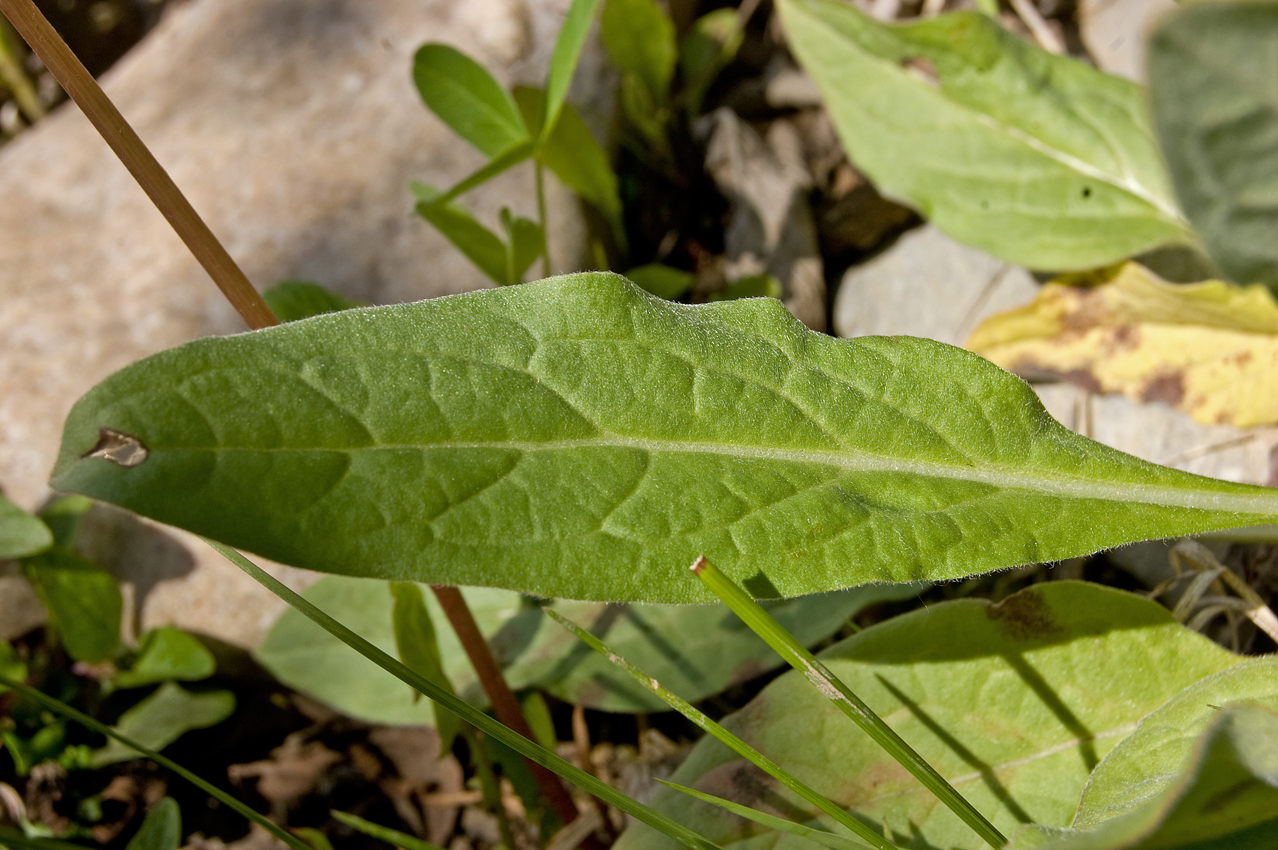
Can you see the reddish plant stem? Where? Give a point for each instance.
(209, 252)
(505, 704)
(144, 167)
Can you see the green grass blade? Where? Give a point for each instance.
(383, 833)
(563, 61)
(221, 796)
(753, 615)
(743, 749)
(819, 836)
(468, 712)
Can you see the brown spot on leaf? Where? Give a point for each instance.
(1023, 616)
(1242, 358)
(1167, 387)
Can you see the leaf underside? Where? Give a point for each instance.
(578, 438)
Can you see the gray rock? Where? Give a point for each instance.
(294, 128)
(1114, 32)
(928, 285)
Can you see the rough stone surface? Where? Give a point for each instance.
(1114, 32)
(931, 286)
(294, 128)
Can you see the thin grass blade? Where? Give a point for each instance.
(212, 790)
(473, 716)
(753, 615)
(563, 61)
(818, 836)
(747, 752)
(383, 833)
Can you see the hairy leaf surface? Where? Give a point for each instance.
(1035, 158)
(1013, 703)
(578, 438)
(1214, 88)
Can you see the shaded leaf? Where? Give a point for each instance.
(291, 300)
(467, 98)
(710, 44)
(662, 281)
(82, 599)
(579, 438)
(1210, 349)
(640, 38)
(572, 153)
(65, 516)
(480, 245)
(563, 59)
(166, 653)
(163, 717)
(525, 242)
(21, 534)
(1226, 796)
(1214, 89)
(419, 650)
(161, 830)
(1035, 158)
(754, 286)
(11, 666)
(1010, 702)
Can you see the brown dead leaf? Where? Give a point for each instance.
(293, 771)
(1209, 349)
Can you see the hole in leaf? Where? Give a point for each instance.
(119, 448)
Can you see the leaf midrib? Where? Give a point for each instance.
(995, 475)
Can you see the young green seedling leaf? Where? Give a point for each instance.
(640, 38)
(418, 649)
(21, 534)
(833, 689)
(161, 830)
(1014, 703)
(563, 60)
(577, 437)
(163, 654)
(467, 98)
(162, 718)
(1212, 85)
(480, 245)
(121, 738)
(83, 601)
(1036, 158)
(529, 749)
(721, 734)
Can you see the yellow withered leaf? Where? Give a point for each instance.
(1210, 349)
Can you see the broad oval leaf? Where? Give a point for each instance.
(1035, 158)
(163, 717)
(578, 438)
(1013, 703)
(467, 98)
(83, 601)
(1215, 99)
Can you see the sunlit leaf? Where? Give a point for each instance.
(467, 98)
(1214, 88)
(1014, 703)
(1035, 158)
(1210, 349)
(578, 438)
(563, 59)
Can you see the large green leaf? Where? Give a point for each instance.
(696, 651)
(1013, 703)
(579, 438)
(1226, 796)
(21, 534)
(163, 717)
(1214, 86)
(467, 98)
(1035, 158)
(82, 599)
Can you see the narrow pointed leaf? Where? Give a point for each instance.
(467, 98)
(578, 438)
(1214, 88)
(525, 242)
(480, 245)
(563, 60)
(1035, 158)
(1013, 703)
(818, 836)
(419, 650)
(21, 534)
(161, 830)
